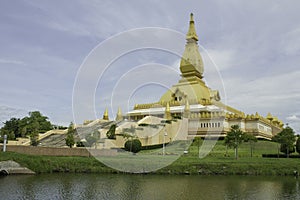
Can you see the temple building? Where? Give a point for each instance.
(189, 109)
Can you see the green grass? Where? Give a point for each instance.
(50, 164)
(216, 162)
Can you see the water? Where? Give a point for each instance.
(113, 186)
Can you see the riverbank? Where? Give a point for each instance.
(216, 163)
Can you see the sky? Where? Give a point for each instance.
(251, 47)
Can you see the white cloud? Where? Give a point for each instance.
(224, 59)
(291, 42)
(15, 62)
(293, 118)
(7, 113)
(255, 45)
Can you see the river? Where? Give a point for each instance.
(116, 186)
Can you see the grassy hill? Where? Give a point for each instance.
(216, 162)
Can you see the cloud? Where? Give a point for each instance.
(293, 118)
(291, 42)
(7, 113)
(14, 62)
(223, 58)
(254, 44)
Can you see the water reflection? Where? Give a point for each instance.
(104, 186)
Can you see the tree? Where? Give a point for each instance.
(298, 144)
(111, 133)
(27, 126)
(44, 124)
(286, 138)
(233, 138)
(34, 133)
(70, 141)
(11, 129)
(252, 139)
(134, 145)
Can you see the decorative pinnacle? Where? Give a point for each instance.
(168, 107)
(187, 106)
(105, 115)
(192, 31)
(119, 115)
(168, 112)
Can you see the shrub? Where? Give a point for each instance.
(134, 145)
(298, 145)
(111, 133)
(80, 144)
(283, 149)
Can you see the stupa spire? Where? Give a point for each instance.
(119, 115)
(191, 34)
(105, 115)
(191, 65)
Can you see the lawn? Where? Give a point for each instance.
(216, 162)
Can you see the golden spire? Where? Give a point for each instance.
(191, 34)
(168, 112)
(191, 64)
(270, 117)
(105, 115)
(119, 115)
(186, 112)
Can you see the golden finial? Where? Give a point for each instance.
(119, 115)
(168, 112)
(186, 112)
(270, 117)
(105, 115)
(192, 31)
(187, 105)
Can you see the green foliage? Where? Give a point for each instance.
(234, 138)
(34, 139)
(42, 121)
(287, 139)
(11, 128)
(80, 144)
(111, 133)
(251, 139)
(134, 145)
(213, 164)
(284, 149)
(28, 126)
(298, 144)
(70, 141)
(197, 141)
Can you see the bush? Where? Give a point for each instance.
(134, 145)
(111, 133)
(80, 144)
(283, 149)
(298, 145)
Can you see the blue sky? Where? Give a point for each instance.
(254, 44)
